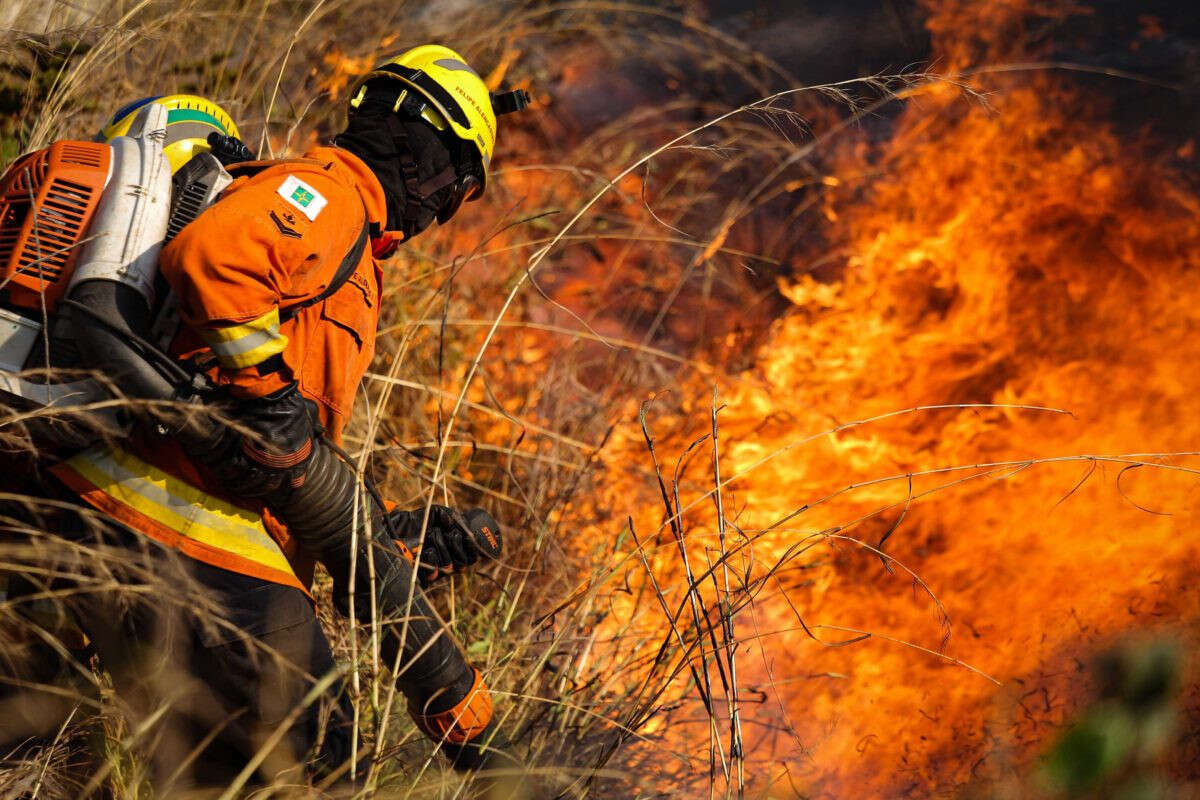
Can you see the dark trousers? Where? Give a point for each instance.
(210, 668)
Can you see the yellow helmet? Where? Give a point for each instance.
(189, 121)
(451, 96)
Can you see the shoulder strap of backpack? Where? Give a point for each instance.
(344, 271)
(251, 168)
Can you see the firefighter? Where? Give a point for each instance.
(279, 289)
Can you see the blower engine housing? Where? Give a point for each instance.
(71, 213)
(47, 201)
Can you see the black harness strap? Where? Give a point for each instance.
(344, 271)
(249, 169)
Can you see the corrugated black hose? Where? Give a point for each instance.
(321, 515)
(107, 314)
(433, 674)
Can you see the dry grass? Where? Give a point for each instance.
(570, 697)
(511, 342)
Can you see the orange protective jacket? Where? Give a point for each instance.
(273, 240)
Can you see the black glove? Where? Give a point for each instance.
(453, 540)
(272, 457)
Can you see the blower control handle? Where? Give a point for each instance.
(229, 149)
(483, 531)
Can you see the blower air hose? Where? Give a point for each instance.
(321, 515)
(432, 673)
(105, 316)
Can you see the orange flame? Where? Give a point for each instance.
(342, 69)
(1015, 254)
(1005, 259)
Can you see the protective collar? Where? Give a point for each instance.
(412, 164)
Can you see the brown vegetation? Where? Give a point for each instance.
(950, 397)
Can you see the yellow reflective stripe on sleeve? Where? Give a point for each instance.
(247, 344)
(179, 506)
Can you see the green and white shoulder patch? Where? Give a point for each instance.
(302, 196)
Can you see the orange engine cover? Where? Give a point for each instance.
(47, 199)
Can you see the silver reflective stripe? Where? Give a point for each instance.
(179, 514)
(250, 341)
(454, 65)
(185, 509)
(188, 130)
